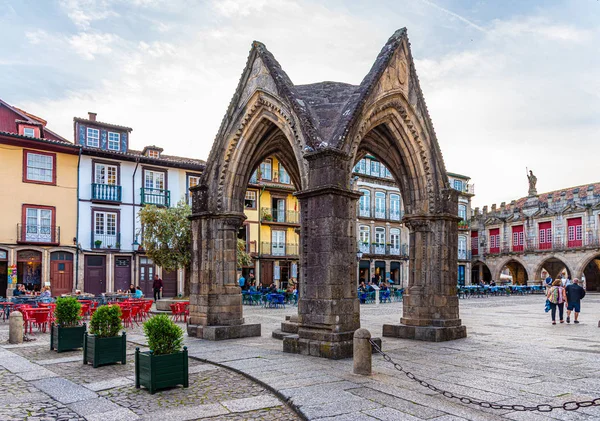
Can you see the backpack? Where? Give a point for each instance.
(553, 296)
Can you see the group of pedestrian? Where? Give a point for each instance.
(561, 292)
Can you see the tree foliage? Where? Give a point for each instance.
(167, 235)
(243, 258)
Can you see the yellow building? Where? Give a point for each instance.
(38, 187)
(270, 229)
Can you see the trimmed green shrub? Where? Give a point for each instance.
(67, 312)
(164, 336)
(106, 321)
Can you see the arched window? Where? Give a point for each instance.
(365, 204)
(364, 238)
(462, 247)
(395, 207)
(395, 241)
(379, 240)
(380, 205)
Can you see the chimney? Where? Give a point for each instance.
(494, 208)
(485, 209)
(503, 206)
(92, 116)
(477, 212)
(549, 200)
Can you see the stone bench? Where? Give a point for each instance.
(164, 304)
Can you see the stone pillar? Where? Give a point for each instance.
(328, 309)
(15, 328)
(430, 301)
(363, 352)
(215, 296)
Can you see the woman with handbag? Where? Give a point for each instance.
(557, 297)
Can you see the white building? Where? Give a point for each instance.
(114, 183)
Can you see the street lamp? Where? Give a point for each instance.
(359, 255)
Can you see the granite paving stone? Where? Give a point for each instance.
(251, 404)
(63, 390)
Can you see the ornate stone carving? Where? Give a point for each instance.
(418, 225)
(395, 76)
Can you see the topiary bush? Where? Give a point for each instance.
(164, 336)
(106, 322)
(67, 312)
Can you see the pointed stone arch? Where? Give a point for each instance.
(319, 131)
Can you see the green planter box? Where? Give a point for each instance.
(160, 371)
(100, 351)
(66, 338)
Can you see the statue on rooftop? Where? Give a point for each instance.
(532, 182)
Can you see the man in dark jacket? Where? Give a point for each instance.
(157, 285)
(574, 295)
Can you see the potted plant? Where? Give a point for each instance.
(67, 333)
(166, 364)
(118, 246)
(98, 243)
(103, 345)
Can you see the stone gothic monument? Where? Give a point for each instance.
(319, 131)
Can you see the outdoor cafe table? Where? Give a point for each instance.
(7, 307)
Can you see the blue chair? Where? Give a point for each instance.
(384, 297)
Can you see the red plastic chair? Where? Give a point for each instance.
(126, 316)
(41, 319)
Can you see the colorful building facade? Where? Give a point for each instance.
(38, 184)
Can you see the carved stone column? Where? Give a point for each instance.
(215, 296)
(328, 309)
(430, 302)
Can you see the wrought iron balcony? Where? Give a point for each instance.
(106, 192)
(156, 197)
(106, 241)
(38, 234)
(276, 215)
(380, 213)
(279, 249)
(364, 212)
(395, 216)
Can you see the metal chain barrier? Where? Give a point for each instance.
(567, 406)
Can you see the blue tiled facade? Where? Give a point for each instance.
(103, 138)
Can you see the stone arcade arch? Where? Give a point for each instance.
(518, 270)
(590, 270)
(319, 131)
(553, 266)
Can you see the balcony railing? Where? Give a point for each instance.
(464, 255)
(106, 192)
(395, 216)
(276, 215)
(364, 213)
(40, 234)
(156, 197)
(279, 249)
(533, 245)
(384, 249)
(379, 213)
(106, 241)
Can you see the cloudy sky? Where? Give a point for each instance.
(509, 83)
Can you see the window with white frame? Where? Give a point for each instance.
(379, 205)
(106, 174)
(382, 171)
(395, 207)
(40, 167)
(250, 200)
(375, 168)
(114, 141)
(462, 247)
(192, 182)
(458, 185)
(462, 212)
(364, 234)
(93, 137)
(105, 229)
(278, 243)
(364, 203)
(154, 188)
(379, 240)
(29, 131)
(284, 177)
(38, 224)
(518, 238)
(395, 238)
(575, 232)
(153, 153)
(265, 169)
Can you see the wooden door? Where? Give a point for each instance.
(95, 275)
(147, 276)
(122, 273)
(169, 283)
(61, 273)
(266, 273)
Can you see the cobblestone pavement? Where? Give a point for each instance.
(46, 385)
(512, 355)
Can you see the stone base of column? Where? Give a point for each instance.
(220, 333)
(425, 333)
(293, 344)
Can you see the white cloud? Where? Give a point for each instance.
(37, 36)
(540, 27)
(90, 45)
(83, 12)
(240, 8)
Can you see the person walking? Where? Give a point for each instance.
(557, 296)
(575, 294)
(157, 286)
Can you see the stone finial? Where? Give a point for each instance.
(503, 206)
(477, 211)
(493, 208)
(485, 210)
